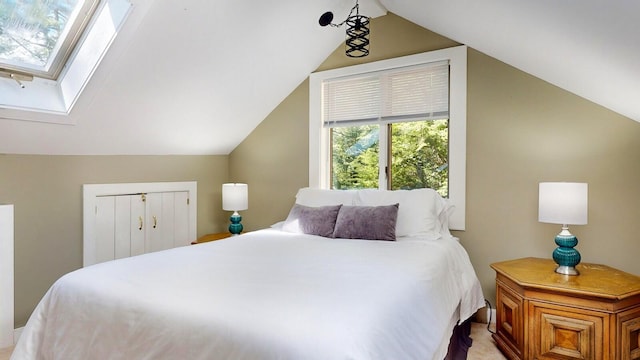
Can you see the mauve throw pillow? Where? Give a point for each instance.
(367, 222)
(312, 220)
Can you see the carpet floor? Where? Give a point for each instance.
(483, 347)
(5, 354)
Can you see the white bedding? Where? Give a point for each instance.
(263, 295)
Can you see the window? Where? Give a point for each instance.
(398, 107)
(393, 124)
(417, 156)
(28, 48)
(37, 37)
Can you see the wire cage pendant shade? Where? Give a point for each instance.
(357, 42)
(357, 34)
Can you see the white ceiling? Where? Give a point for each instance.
(197, 76)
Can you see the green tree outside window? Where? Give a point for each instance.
(419, 156)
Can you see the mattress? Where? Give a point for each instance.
(266, 294)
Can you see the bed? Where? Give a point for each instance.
(285, 292)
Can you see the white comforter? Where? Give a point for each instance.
(262, 295)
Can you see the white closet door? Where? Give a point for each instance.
(137, 224)
(167, 220)
(159, 221)
(105, 229)
(117, 224)
(129, 225)
(181, 230)
(152, 232)
(122, 226)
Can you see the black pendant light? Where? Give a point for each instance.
(357, 37)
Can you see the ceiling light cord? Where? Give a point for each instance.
(355, 8)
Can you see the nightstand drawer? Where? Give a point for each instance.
(561, 332)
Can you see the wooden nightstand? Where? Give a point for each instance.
(544, 315)
(211, 237)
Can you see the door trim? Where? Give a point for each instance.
(7, 310)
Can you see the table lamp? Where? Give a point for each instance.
(564, 203)
(235, 197)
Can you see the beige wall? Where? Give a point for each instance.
(521, 131)
(273, 161)
(47, 194)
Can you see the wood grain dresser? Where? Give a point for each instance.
(544, 315)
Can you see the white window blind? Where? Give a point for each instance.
(418, 92)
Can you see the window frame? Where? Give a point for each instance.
(319, 139)
(62, 50)
(51, 101)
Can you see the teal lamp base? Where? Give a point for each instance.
(565, 255)
(235, 227)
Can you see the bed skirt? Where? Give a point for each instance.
(460, 341)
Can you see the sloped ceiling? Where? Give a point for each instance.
(197, 76)
(588, 47)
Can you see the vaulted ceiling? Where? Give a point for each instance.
(197, 76)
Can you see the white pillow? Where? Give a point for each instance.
(324, 197)
(422, 212)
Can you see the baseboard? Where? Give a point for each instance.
(485, 315)
(482, 315)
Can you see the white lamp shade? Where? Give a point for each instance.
(235, 197)
(563, 203)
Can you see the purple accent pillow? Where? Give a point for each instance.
(312, 220)
(367, 222)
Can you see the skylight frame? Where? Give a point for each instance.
(62, 51)
(51, 101)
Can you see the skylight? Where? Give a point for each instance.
(83, 31)
(37, 36)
